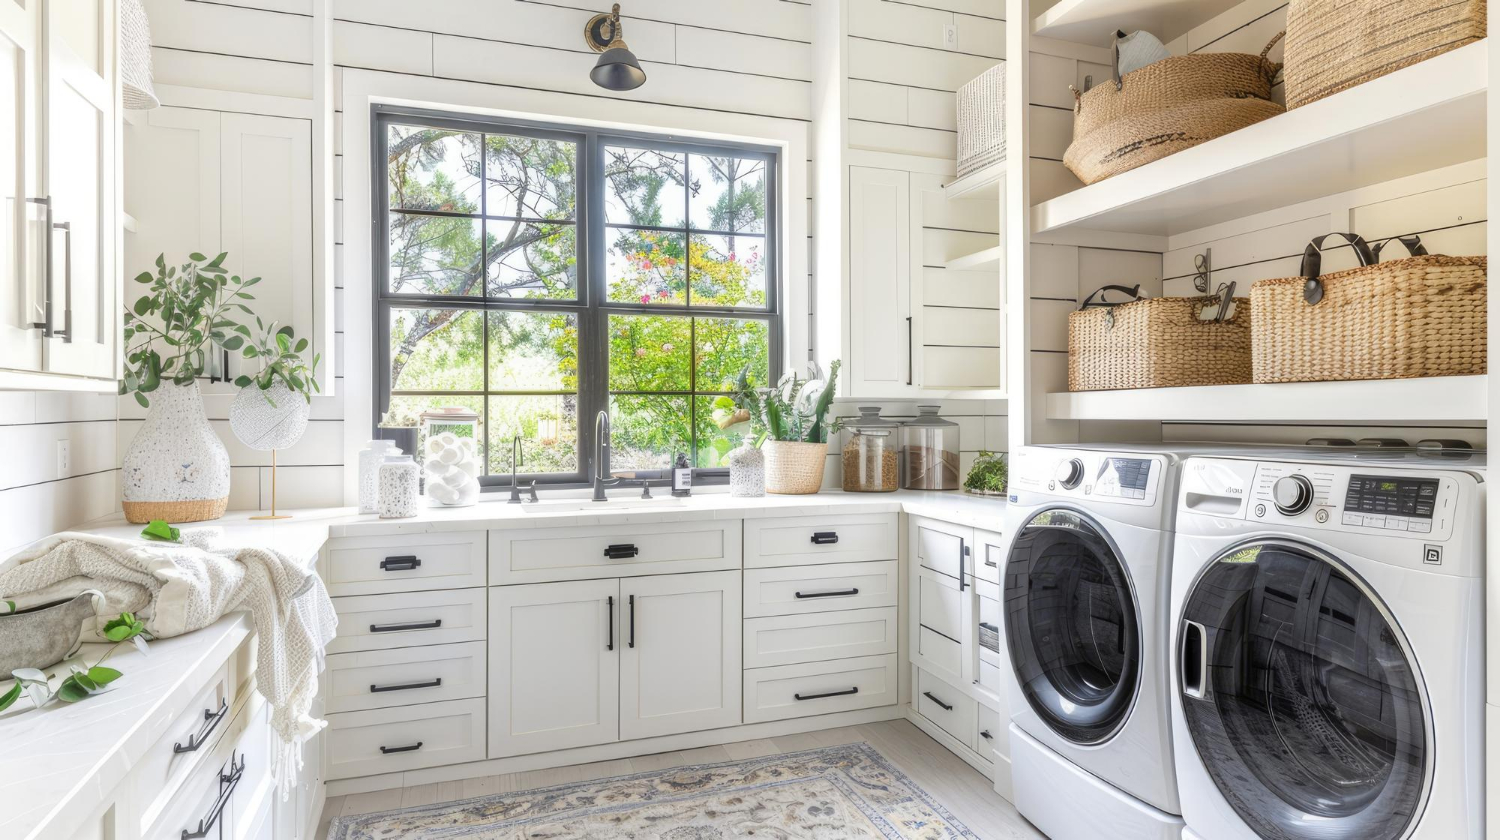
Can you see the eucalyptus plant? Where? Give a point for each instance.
(281, 358)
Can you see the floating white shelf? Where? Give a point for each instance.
(1434, 399)
(1094, 21)
(989, 258)
(984, 184)
(1423, 117)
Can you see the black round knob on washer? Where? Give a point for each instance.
(1070, 473)
(1292, 494)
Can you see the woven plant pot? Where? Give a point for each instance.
(1165, 107)
(794, 468)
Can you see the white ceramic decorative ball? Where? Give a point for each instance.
(452, 468)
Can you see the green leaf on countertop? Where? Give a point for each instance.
(102, 675)
(10, 606)
(11, 696)
(71, 690)
(158, 529)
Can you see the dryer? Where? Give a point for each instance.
(1327, 671)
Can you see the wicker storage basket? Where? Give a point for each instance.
(981, 121)
(1419, 316)
(1163, 108)
(1157, 343)
(794, 468)
(1333, 45)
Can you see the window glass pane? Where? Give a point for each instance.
(714, 443)
(533, 351)
(726, 346)
(728, 271)
(728, 193)
(433, 169)
(548, 426)
(643, 187)
(437, 350)
(435, 255)
(529, 177)
(531, 260)
(644, 266)
(650, 353)
(647, 431)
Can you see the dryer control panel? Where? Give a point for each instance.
(1122, 478)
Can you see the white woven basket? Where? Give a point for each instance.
(981, 121)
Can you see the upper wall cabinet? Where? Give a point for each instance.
(60, 270)
(882, 362)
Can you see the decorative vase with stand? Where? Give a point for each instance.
(272, 419)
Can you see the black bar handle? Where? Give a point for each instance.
(407, 748)
(963, 552)
(376, 689)
(621, 551)
(910, 367)
(946, 707)
(211, 720)
(985, 734)
(632, 621)
(610, 645)
(845, 693)
(227, 783)
(836, 593)
(414, 625)
(825, 538)
(404, 563)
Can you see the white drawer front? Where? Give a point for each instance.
(946, 706)
(404, 738)
(939, 654)
(823, 687)
(992, 735)
(377, 679)
(254, 792)
(378, 622)
(818, 637)
(940, 604)
(796, 590)
(940, 546)
(539, 555)
(403, 563)
(797, 540)
(193, 733)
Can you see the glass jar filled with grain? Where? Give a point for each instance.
(871, 457)
(931, 449)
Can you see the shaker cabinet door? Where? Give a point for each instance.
(881, 360)
(21, 212)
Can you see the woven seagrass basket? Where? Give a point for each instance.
(1419, 316)
(794, 468)
(1157, 343)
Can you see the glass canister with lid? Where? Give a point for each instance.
(871, 456)
(930, 444)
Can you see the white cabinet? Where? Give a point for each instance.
(20, 286)
(880, 360)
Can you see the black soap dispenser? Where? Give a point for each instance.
(682, 477)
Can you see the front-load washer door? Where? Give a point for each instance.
(1071, 626)
(1302, 698)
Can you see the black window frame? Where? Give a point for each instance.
(591, 306)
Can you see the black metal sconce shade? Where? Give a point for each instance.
(617, 68)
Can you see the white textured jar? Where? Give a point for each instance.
(399, 476)
(747, 471)
(370, 459)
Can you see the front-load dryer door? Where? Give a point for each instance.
(1071, 626)
(1302, 698)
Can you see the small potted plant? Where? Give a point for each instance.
(270, 412)
(988, 475)
(793, 417)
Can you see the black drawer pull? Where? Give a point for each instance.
(376, 689)
(985, 734)
(404, 563)
(414, 625)
(621, 551)
(631, 599)
(946, 707)
(825, 538)
(610, 645)
(845, 693)
(832, 593)
(227, 783)
(407, 748)
(211, 720)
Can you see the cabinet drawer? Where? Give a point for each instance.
(940, 546)
(940, 604)
(538, 555)
(990, 629)
(377, 679)
(404, 738)
(939, 654)
(253, 793)
(989, 550)
(187, 745)
(378, 622)
(951, 709)
(817, 637)
(809, 589)
(817, 688)
(991, 734)
(796, 540)
(403, 563)
(194, 798)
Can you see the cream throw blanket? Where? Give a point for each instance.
(178, 588)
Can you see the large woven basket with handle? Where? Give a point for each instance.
(1158, 342)
(1333, 45)
(1419, 316)
(1165, 107)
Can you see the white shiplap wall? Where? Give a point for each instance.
(36, 498)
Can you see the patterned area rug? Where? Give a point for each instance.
(848, 792)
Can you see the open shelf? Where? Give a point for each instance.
(989, 258)
(1434, 399)
(1420, 118)
(1094, 22)
(984, 184)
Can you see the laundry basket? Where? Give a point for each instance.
(1158, 342)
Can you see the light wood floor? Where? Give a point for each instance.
(942, 774)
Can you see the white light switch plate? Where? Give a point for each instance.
(950, 36)
(64, 459)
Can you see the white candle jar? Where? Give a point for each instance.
(370, 459)
(399, 476)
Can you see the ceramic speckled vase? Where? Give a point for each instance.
(176, 469)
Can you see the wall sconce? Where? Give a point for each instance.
(618, 68)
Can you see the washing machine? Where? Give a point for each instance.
(1327, 670)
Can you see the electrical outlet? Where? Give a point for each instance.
(950, 36)
(64, 459)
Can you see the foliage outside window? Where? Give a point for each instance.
(536, 275)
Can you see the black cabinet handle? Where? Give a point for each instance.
(376, 689)
(835, 593)
(963, 552)
(407, 748)
(610, 645)
(985, 734)
(211, 720)
(404, 563)
(825, 538)
(415, 625)
(946, 707)
(632, 621)
(621, 551)
(227, 783)
(845, 693)
(908, 350)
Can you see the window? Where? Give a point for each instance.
(537, 275)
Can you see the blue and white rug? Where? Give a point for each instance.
(848, 792)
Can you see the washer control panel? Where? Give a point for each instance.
(1120, 478)
(1393, 503)
(1412, 504)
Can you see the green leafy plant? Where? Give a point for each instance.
(280, 354)
(796, 409)
(989, 473)
(82, 682)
